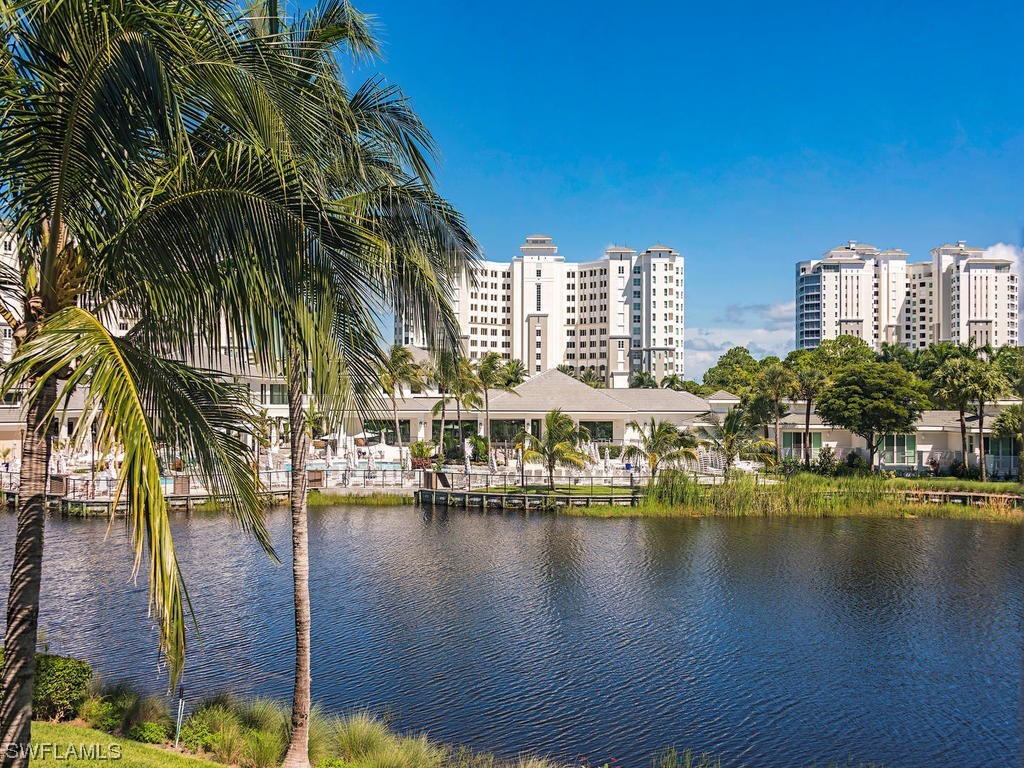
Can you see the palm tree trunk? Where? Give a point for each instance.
(398, 427)
(18, 678)
(440, 440)
(981, 439)
(487, 424)
(297, 755)
(807, 434)
(778, 444)
(963, 436)
(458, 415)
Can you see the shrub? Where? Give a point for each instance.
(826, 463)
(148, 732)
(101, 714)
(227, 744)
(61, 686)
(264, 749)
(421, 450)
(195, 735)
(145, 709)
(855, 464)
(359, 734)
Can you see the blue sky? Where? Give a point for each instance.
(748, 136)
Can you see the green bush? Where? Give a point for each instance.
(195, 735)
(61, 686)
(148, 733)
(101, 714)
(145, 709)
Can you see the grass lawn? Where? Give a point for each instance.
(66, 738)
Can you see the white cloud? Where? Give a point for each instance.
(774, 317)
(705, 345)
(1007, 251)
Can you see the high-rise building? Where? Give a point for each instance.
(859, 290)
(615, 315)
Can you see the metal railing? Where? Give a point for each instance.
(85, 487)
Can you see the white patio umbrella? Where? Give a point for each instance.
(467, 447)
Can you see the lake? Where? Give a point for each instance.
(768, 642)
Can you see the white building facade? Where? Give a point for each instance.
(614, 316)
(858, 290)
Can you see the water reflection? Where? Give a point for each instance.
(771, 642)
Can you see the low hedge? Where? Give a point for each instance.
(61, 686)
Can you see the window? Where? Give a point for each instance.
(899, 449)
(278, 394)
(538, 297)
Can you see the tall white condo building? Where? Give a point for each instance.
(614, 316)
(858, 290)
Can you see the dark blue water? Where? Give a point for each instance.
(770, 643)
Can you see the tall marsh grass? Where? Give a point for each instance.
(802, 495)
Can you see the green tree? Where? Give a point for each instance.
(897, 353)
(661, 443)
(873, 400)
(94, 145)
(843, 350)
(731, 436)
(676, 382)
(775, 383)
(932, 357)
(515, 373)
(491, 374)
(810, 382)
(950, 386)
(734, 372)
(400, 370)
(643, 380)
(362, 229)
(592, 378)
(560, 444)
(986, 384)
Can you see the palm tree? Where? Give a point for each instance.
(400, 369)
(466, 392)
(775, 382)
(514, 373)
(558, 446)
(442, 374)
(490, 372)
(92, 150)
(731, 436)
(810, 381)
(568, 370)
(661, 443)
(673, 381)
(986, 383)
(950, 386)
(592, 378)
(359, 227)
(643, 380)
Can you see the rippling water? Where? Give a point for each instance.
(771, 643)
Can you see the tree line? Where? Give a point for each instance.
(870, 394)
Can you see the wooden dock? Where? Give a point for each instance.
(500, 501)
